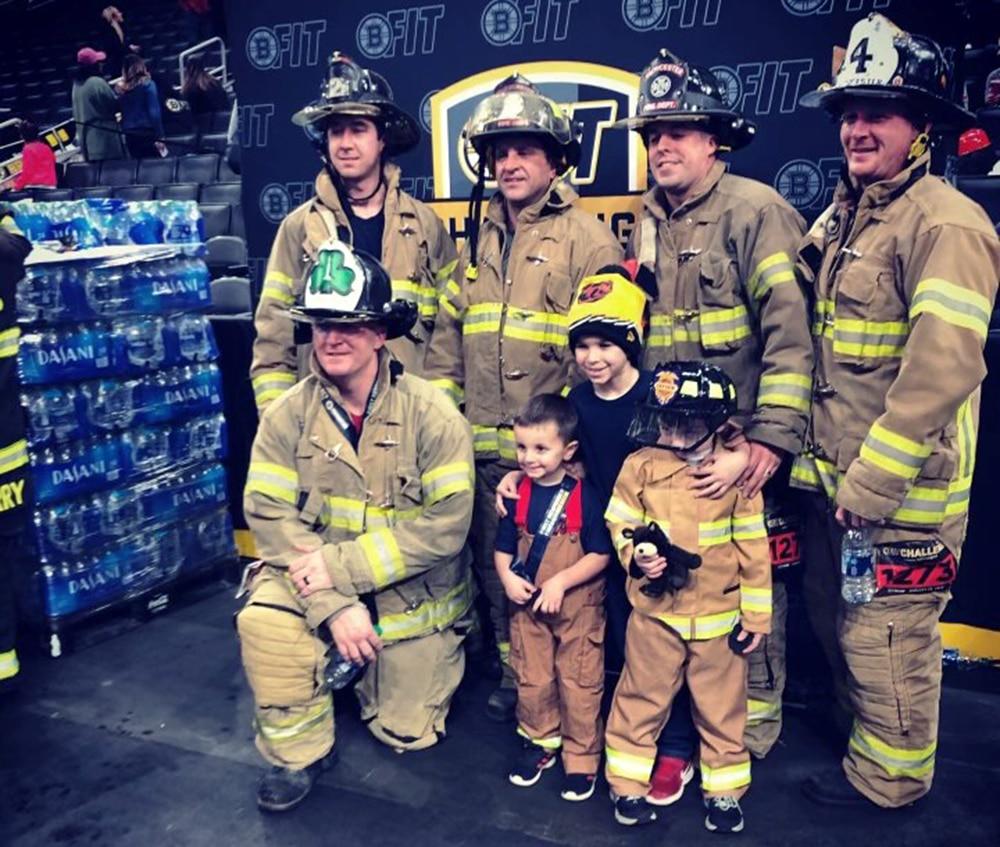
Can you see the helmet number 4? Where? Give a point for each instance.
(861, 57)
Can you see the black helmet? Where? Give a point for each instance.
(349, 89)
(685, 394)
(883, 61)
(517, 106)
(672, 90)
(351, 286)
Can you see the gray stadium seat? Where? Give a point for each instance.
(156, 171)
(81, 174)
(177, 191)
(51, 195)
(217, 217)
(133, 192)
(118, 172)
(226, 255)
(231, 295)
(182, 145)
(92, 191)
(221, 192)
(214, 142)
(202, 167)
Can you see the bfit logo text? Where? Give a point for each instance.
(649, 15)
(803, 8)
(399, 31)
(506, 22)
(286, 45)
(763, 88)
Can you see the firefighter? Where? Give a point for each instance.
(14, 247)
(355, 127)
(721, 249)
(501, 332)
(904, 272)
(359, 497)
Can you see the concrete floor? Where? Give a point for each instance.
(144, 739)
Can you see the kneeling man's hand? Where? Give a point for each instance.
(355, 636)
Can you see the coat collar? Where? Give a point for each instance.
(656, 201)
(559, 197)
(879, 194)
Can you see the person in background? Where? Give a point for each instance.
(114, 37)
(94, 109)
(140, 106)
(38, 161)
(203, 92)
(14, 247)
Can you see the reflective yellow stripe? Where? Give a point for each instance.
(271, 480)
(701, 628)
(271, 385)
(725, 779)
(13, 456)
(9, 665)
(665, 330)
(454, 391)
(482, 317)
(804, 474)
(618, 511)
(711, 533)
(278, 286)
(539, 327)
(823, 318)
(9, 224)
(629, 766)
(755, 600)
(446, 480)
(505, 438)
(445, 271)
(343, 513)
(748, 528)
(895, 761)
(484, 439)
(437, 614)
(8, 342)
(771, 271)
(894, 453)
(793, 391)
(719, 326)
(406, 289)
(760, 711)
(554, 742)
(379, 517)
(284, 730)
(868, 339)
(952, 303)
(383, 555)
(446, 304)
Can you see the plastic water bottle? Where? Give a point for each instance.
(857, 566)
(110, 402)
(340, 672)
(144, 343)
(181, 222)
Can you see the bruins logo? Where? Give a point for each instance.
(594, 291)
(665, 386)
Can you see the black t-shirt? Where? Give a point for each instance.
(367, 232)
(594, 536)
(603, 426)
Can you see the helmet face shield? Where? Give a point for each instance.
(654, 427)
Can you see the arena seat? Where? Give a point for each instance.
(118, 172)
(178, 191)
(217, 218)
(156, 171)
(201, 167)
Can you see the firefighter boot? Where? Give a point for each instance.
(502, 704)
(282, 789)
(831, 788)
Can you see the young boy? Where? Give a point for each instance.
(551, 551)
(606, 330)
(701, 631)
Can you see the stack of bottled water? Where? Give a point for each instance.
(124, 403)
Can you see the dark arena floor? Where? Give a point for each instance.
(144, 739)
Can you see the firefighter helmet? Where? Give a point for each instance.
(687, 400)
(350, 286)
(672, 90)
(884, 62)
(517, 106)
(349, 89)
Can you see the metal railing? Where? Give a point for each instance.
(200, 48)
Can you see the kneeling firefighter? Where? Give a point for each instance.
(359, 497)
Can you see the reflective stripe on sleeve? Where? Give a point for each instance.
(454, 391)
(274, 481)
(770, 271)
(748, 528)
(894, 453)
(13, 456)
(755, 600)
(278, 286)
(9, 341)
(270, 385)
(952, 303)
(9, 665)
(446, 480)
(384, 558)
(793, 391)
(618, 511)
(711, 533)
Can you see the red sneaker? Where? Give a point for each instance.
(669, 778)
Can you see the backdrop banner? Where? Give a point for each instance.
(440, 58)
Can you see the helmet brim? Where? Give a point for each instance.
(485, 139)
(941, 112)
(401, 133)
(396, 325)
(718, 123)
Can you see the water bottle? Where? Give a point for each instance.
(340, 672)
(145, 226)
(39, 295)
(194, 339)
(110, 402)
(181, 222)
(857, 566)
(144, 343)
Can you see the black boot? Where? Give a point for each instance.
(502, 704)
(831, 788)
(282, 789)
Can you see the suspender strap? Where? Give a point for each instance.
(549, 522)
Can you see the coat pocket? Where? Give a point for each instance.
(724, 322)
(870, 324)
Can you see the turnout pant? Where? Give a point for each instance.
(766, 680)
(657, 662)
(482, 536)
(558, 661)
(404, 695)
(887, 660)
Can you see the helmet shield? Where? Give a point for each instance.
(884, 62)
